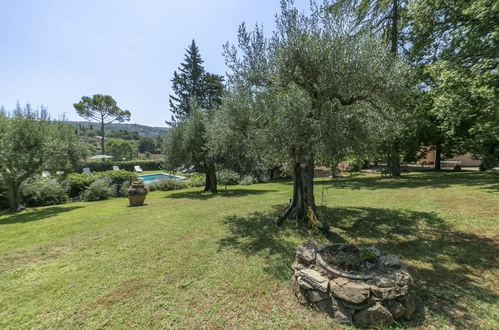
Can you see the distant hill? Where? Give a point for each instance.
(141, 129)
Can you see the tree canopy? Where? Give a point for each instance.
(103, 109)
(29, 143)
(193, 82)
(318, 90)
(455, 46)
(197, 94)
(121, 149)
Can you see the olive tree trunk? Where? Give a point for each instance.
(302, 207)
(210, 183)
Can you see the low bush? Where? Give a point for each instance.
(117, 177)
(77, 183)
(43, 191)
(262, 178)
(228, 177)
(196, 180)
(247, 180)
(100, 189)
(168, 184)
(122, 190)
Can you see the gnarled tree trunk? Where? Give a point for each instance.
(302, 207)
(210, 183)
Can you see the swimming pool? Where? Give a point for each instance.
(150, 178)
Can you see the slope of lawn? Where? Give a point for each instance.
(189, 259)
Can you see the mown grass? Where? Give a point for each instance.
(189, 259)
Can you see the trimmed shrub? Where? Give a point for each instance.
(247, 180)
(168, 184)
(117, 177)
(99, 189)
(227, 177)
(42, 191)
(98, 166)
(77, 183)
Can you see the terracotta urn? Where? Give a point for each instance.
(137, 193)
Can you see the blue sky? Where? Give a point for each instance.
(55, 51)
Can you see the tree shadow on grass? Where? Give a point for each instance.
(256, 234)
(447, 264)
(428, 179)
(34, 214)
(204, 195)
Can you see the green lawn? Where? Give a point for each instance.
(189, 259)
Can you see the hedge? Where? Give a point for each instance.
(79, 182)
(98, 166)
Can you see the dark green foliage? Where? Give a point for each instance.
(247, 180)
(42, 191)
(227, 177)
(187, 83)
(121, 149)
(168, 184)
(77, 183)
(192, 82)
(103, 109)
(147, 144)
(186, 145)
(4, 197)
(196, 180)
(122, 190)
(100, 189)
(367, 254)
(455, 47)
(30, 143)
(146, 165)
(117, 177)
(124, 134)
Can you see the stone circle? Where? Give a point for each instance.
(377, 298)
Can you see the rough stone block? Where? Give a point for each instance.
(316, 295)
(306, 252)
(340, 312)
(352, 291)
(315, 279)
(390, 260)
(373, 316)
(395, 307)
(300, 293)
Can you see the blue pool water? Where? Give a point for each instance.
(150, 178)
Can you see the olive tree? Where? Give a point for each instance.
(29, 143)
(317, 90)
(186, 143)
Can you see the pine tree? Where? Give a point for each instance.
(191, 81)
(213, 89)
(187, 83)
